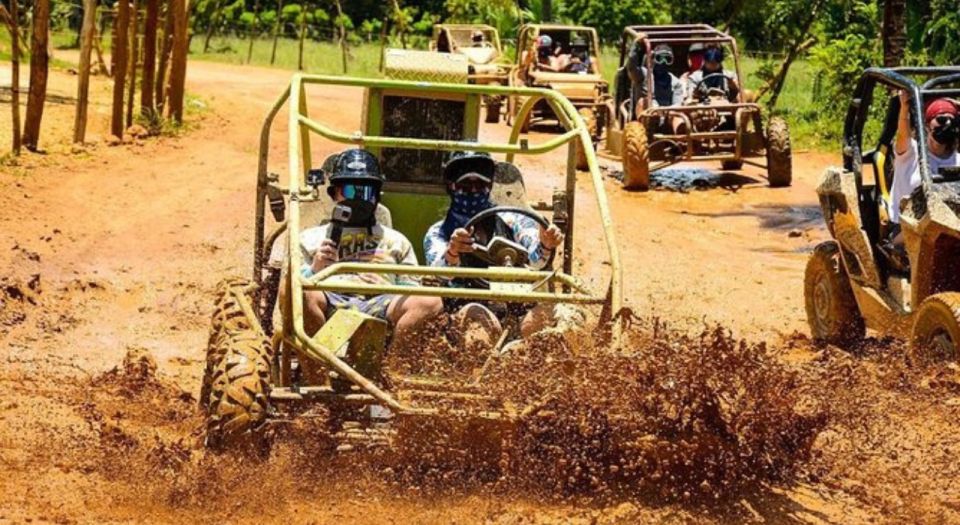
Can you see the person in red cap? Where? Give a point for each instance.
(940, 121)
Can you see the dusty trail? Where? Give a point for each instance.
(117, 251)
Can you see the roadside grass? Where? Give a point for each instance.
(809, 128)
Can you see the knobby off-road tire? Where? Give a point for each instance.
(731, 165)
(227, 317)
(832, 311)
(590, 119)
(936, 329)
(236, 380)
(779, 154)
(636, 157)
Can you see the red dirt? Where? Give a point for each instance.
(111, 256)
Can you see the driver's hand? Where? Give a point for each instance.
(326, 254)
(460, 242)
(551, 237)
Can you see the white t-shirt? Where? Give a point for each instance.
(906, 175)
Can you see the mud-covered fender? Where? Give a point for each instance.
(839, 201)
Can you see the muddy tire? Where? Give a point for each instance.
(731, 165)
(227, 317)
(936, 329)
(492, 116)
(239, 387)
(236, 378)
(779, 154)
(590, 119)
(636, 157)
(832, 311)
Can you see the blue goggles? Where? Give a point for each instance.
(363, 192)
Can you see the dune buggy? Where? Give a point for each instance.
(263, 368)
(585, 88)
(488, 65)
(857, 280)
(713, 126)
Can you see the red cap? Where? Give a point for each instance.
(941, 106)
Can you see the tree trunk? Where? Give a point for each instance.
(547, 14)
(253, 29)
(383, 39)
(214, 20)
(401, 24)
(276, 32)
(343, 35)
(178, 60)
(166, 47)
(15, 74)
(101, 63)
(303, 33)
(39, 61)
(149, 58)
(83, 81)
(134, 58)
(119, 65)
(894, 35)
(801, 44)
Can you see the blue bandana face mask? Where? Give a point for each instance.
(463, 206)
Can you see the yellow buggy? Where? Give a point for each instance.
(263, 369)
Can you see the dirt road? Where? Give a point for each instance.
(114, 252)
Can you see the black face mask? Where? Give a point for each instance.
(363, 213)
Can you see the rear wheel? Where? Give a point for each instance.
(936, 329)
(636, 157)
(832, 311)
(590, 119)
(779, 154)
(731, 165)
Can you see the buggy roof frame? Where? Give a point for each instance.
(897, 78)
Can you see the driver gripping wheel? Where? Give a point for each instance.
(477, 233)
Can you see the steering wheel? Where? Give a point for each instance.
(501, 250)
(710, 92)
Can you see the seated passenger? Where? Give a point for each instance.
(940, 119)
(478, 40)
(694, 63)
(546, 59)
(700, 82)
(355, 184)
(469, 178)
(578, 61)
(667, 88)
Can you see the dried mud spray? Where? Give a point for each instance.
(670, 427)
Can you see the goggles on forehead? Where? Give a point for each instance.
(665, 59)
(362, 192)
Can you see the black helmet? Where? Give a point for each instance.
(462, 162)
(579, 42)
(356, 165)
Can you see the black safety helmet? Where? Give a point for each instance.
(477, 163)
(579, 43)
(356, 165)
